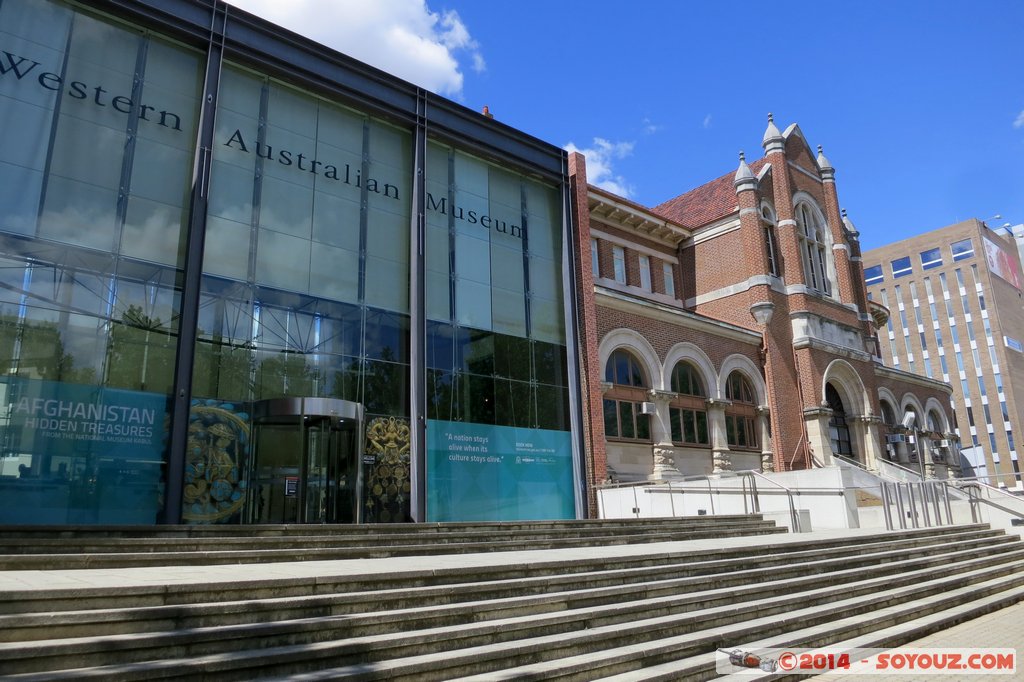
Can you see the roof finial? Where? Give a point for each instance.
(843, 211)
(742, 157)
(772, 137)
(819, 150)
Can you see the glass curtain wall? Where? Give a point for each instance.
(498, 444)
(96, 150)
(305, 287)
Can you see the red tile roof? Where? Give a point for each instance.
(707, 203)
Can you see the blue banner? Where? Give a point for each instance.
(479, 472)
(59, 419)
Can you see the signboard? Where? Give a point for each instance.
(291, 486)
(479, 472)
(1001, 263)
(61, 419)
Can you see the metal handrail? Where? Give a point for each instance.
(977, 498)
(744, 474)
(794, 517)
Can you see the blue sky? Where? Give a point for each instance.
(919, 105)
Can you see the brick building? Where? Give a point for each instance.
(729, 328)
(957, 315)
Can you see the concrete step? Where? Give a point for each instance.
(542, 576)
(594, 610)
(491, 599)
(330, 641)
(112, 552)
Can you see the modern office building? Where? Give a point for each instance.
(955, 296)
(248, 279)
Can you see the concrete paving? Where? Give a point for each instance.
(1002, 629)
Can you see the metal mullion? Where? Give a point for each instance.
(417, 322)
(192, 285)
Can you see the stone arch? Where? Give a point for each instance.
(933, 405)
(691, 353)
(639, 346)
(886, 398)
(848, 384)
(749, 369)
(911, 401)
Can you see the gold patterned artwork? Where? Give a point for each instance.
(215, 488)
(388, 441)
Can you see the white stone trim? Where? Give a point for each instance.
(848, 381)
(910, 378)
(729, 224)
(843, 351)
(788, 222)
(748, 211)
(633, 246)
(693, 354)
(739, 287)
(801, 169)
(749, 369)
(633, 341)
(841, 247)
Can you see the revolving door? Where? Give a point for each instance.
(306, 461)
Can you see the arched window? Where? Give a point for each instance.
(888, 414)
(771, 246)
(813, 248)
(934, 422)
(740, 431)
(622, 418)
(838, 430)
(687, 410)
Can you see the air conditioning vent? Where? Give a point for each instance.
(648, 408)
(896, 438)
(942, 443)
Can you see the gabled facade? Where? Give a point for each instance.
(733, 320)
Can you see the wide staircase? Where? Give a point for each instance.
(571, 601)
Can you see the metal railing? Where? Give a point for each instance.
(748, 489)
(907, 497)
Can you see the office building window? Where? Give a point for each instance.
(961, 249)
(873, 275)
(619, 261)
(645, 273)
(595, 264)
(901, 267)
(932, 258)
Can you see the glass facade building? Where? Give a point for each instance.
(248, 280)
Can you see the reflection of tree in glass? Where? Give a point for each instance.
(141, 352)
(36, 349)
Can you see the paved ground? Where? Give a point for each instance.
(1003, 629)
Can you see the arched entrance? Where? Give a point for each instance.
(838, 430)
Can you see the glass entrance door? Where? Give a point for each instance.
(305, 465)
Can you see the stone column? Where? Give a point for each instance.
(765, 436)
(721, 457)
(868, 425)
(661, 434)
(816, 419)
(954, 456)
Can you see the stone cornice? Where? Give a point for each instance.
(917, 379)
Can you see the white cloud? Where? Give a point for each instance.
(600, 157)
(650, 127)
(403, 37)
(707, 122)
(1019, 123)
